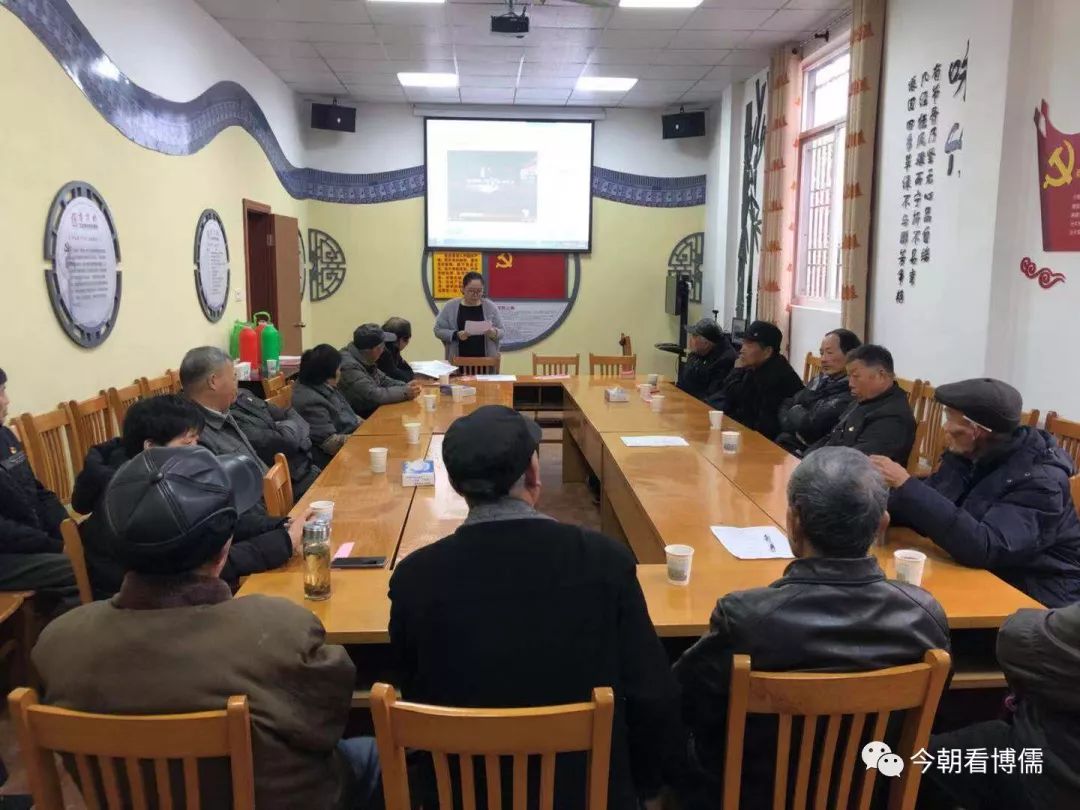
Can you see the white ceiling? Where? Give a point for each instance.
(354, 49)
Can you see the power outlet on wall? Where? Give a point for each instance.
(238, 295)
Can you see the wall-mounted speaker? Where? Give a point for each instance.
(333, 117)
(684, 124)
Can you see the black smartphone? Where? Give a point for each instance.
(358, 562)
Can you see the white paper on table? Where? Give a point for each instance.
(552, 377)
(495, 378)
(432, 368)
(344, 550)
(754, 542)
(655, 441)
(477, 327)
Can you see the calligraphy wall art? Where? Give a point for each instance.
(1059, 193)
(750, 212)
(328, 265)
(211, 265)
(686, 259)
(84, 282)
(1046, 277)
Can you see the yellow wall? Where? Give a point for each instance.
(156, 201)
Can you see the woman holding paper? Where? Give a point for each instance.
(470, 326)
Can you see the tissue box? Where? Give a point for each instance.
(615, 394)
(420, 473)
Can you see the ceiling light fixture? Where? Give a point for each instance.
(428, 79)
(661, 4)
(604, 84)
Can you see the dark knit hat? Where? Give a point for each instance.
(993, 404)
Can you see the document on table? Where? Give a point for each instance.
(477, 327)
(754, 543)
(496, 378)
(655, 441)
(432, 368)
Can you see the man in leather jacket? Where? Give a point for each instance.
(832, 611)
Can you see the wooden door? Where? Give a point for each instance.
(286, 273)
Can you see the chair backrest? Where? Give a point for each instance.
(475, 736)
(625, 343)
(283, 398)
(153, 386)
(811, 368)
(73, 548)
(120, 399)
(1030, 418)
(91, 423)
(931, 413)
(145, 745)
(271, 385)
(912, 389)
(46, 436)
(814, 696)
(611, 365)
(556, 364)
(915, 456)
(277, 488)
(174, 375)
(1067, 434)
(476, 365)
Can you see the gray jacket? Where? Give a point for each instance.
(365, 387)
(446, 327)
(328, 413)
(223, 435)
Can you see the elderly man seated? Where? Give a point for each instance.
(710, 359)
(1000, 499)
(362, 382)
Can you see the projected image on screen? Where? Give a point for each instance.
(491, 186)
(508, 185)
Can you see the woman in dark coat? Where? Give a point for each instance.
(324, 408)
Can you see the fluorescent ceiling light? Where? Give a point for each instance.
(428, 79)
(426, 2)
(659, 3)
(604, 84)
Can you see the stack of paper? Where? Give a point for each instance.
(432, 368)
(655, 441)
(754, 542)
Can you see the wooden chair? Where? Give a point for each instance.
(611, 365)
(277, 488)
(73, 548)
(912, 388)
(1066, 432)
(97, 742)
(471, 366)
(120, 399)
(12, 622)
(546, 364)
(271, 385)
(489, 734)
(155, 386)
(813, 696)
(914, 462)
(45, 437)
(626, 345)
(283, 398)
(811, 367)
(90, 423)
(174, 375)
(1030, 418)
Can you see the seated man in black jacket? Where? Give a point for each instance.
(515, 609)
(814, 411)
(710, 360)
(272, 430)
(390, 362)
(1000, 499)
(260, 542)
(31, 549)
(879, 421)
(760, 382)
(833, 611)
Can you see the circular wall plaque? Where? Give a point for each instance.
(84, 282)
(211, 265)
(303, 263)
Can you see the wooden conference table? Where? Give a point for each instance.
(651, 497)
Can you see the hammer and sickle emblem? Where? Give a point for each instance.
(1064, 169)
(506, 260)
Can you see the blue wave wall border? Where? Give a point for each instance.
(185, 127)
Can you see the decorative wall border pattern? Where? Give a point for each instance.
(185, 127)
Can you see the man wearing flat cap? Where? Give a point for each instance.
(174, 640)
(515, 609)
(760, 382)
(1000, 499)
(362, 382)
(710, 360)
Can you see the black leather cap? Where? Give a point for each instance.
(765, 334)
(992, 403)
(488, 450)
(708, 329)
(170, 509)
(370, 335)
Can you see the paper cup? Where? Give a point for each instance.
(444, 379)
(412, 432)
(378, 459)
(654, 379)
(716, 420)
(657, 402)
(909, 565)
(457, 392)
(731, 440)
(430, 401)
(322, 511)
(645, 390)
(679, 560)
(272, 367)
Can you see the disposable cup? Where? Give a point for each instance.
(654, 379)
(909, 565)
(716, 420)
(444, 379)
(645, 390)
(731, 441)
(378, 459)
(322, 511)
(412, 432)
(430, 401)
(657, 402)
(457, 392)
(679, 560)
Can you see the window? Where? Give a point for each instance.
(821, 181)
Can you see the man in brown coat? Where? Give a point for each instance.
(174, 640)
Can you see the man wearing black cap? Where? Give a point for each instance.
(31, 549)
(515, 609)
(760, 382)
(391, 363)
(173, 640)
(710, 360)
(1000, 499)
(362, 383)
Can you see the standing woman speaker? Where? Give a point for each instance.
(450, 326)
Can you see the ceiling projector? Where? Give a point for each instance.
(510, 24)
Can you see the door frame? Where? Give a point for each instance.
(260, 208)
